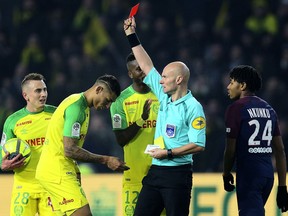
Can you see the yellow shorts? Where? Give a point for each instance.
(69, 194)
(25, 203)
(130, 195)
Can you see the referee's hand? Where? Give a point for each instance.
(228, 182)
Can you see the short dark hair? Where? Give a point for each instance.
(247, 74)
(112, 83)
(130, 57)
(32, 76)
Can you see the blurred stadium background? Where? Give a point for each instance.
(73, 42)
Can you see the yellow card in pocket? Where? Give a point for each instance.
(160, 142)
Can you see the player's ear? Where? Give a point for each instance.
(179, 79)
(25, 96)
(130, 74)
(99, 89)
(243, 86)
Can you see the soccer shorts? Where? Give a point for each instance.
(68, 194)
(130, 195)
(25, 203)
(252, 194)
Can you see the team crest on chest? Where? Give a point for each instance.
(170, 130)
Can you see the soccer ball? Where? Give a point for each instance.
(16, 146)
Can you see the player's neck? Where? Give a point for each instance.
(179, 93)
(247, 94)
(34, 109)
(140, 87)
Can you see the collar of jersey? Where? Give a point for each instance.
(180, 100)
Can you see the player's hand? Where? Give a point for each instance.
(146, 109)
(129, 26)
(12, 164)
(282, 198)
(116, 164)
(228, 182)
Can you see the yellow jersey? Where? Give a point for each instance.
(71, 119)
(127, 108)
(31, 127)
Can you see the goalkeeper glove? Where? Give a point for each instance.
(228, 182)
(282, 198)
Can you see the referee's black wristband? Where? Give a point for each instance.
(133, 40)
(169, 154)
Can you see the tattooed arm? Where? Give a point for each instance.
(73, 151)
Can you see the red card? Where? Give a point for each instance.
(134, 10)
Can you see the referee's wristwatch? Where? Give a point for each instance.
(169, 154)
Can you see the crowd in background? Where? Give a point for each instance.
(73, 42)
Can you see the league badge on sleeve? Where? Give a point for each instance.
(76, 129)
(199, 123)
(3, 139)
(170, 130)
(117, 121)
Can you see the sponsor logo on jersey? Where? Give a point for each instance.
(117, 121)
(199, 123)
(36, 142)
(76, 129)
(23, 123)
(66, 201)
(147, 124)
(259, 150)
(131, 103)
(170, 130)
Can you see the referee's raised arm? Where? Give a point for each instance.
(141, 55)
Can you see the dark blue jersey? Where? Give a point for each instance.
(253, 123)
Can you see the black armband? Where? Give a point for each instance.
(169, 154)
(133, 40)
